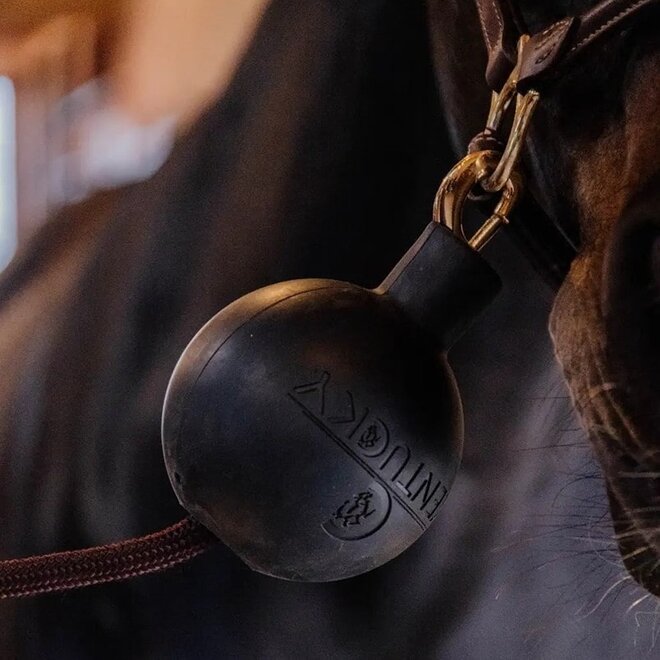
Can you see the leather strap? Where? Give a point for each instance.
(501, 27)
(548, 52)
(544, 57)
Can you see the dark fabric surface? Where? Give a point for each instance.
(321, 160)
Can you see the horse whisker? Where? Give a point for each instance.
(604, 596)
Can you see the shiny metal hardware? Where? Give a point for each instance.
(487, 170)
(455, 187)
(524, 109)
(508, 162)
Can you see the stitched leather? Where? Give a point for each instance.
(549, 51)
(500, 27)
(545, 56)
(543, 52)
(604, 17)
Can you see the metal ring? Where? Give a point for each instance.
(455, 188)
(525, 106)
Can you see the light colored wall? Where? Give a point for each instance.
(174, 57)
(159, 58)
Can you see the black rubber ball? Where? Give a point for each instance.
(315, 426)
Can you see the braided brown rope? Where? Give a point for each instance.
(107, 563)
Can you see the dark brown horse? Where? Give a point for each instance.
(322, 159)
(592, 166)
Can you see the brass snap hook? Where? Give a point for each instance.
(525, 106)
(453, 193)
(492, 170)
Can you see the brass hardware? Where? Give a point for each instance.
(525, 106)
(494, 172)
(500, 216)
(499, 103)
(455, 187)
(524, 109)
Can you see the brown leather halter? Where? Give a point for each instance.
(533, 65)
(549, 52)
(516, 68)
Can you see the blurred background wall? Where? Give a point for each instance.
(8, 215)
(93, 91)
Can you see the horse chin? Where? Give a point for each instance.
(622, 423)
(632, 476)
(630, 305)
(606, 329)
(636, 533)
